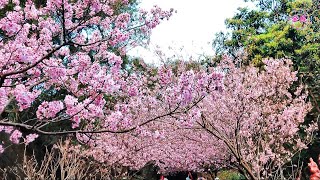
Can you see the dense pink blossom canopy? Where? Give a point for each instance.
(67, 48)
(251, 117)
(62, 63)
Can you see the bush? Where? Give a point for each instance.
(230, 175)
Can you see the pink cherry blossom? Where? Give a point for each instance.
(295, 18)
(15, 136)
(1, 149)
(30, 138)
(49, 50)
(303, 18)
(49, 109)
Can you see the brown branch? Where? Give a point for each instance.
(315, 101)
(3, 76)
(38, 130)
(106, 39)
(64, 31)
(233, 150)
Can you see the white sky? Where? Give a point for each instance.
(193, 27)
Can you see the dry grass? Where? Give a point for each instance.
(59, 163)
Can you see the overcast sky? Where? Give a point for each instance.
(193, 27)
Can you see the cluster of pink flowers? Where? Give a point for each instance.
(24, 97)
(3, 3)
(30, 138)
(1, 149)
(3, 99)
(165, 75)
(300, 19)
(49, 109)
(15, 136)
(122, 20)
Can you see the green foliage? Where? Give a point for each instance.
(261, 35)
(230, 175)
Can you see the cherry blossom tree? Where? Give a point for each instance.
(254, 122)
(60, 63)
(61, 74)
(169, 141)
(258, 117)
